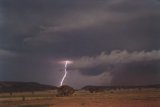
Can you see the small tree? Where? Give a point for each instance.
(65, 91)
(11, 93)
(23, 98)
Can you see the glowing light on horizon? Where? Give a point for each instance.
(65, 71)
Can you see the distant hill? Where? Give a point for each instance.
(119, 87)
(23, 86)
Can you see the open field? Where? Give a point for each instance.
(112, 98)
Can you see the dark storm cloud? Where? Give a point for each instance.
(36, 33)
(81, 31)
(6, 54)
(46, 26)
(137, 73)
(124, 67)
(31, 68)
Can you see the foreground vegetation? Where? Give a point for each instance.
(107, 98)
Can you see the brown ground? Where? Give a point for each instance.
(119, 98)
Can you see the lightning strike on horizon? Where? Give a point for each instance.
(65, 72)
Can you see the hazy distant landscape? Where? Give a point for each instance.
(102, 96)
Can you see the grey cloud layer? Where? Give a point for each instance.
(116, 57)
(124, 68)
(35, 24)
(4, 54)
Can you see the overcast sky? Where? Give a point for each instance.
(111, 42)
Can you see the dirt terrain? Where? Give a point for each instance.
(111, 98)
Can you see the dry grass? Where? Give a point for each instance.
(118, 98)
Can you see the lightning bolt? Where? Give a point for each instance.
(65, 73)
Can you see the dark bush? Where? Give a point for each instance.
(95, 90)
(65, 91)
